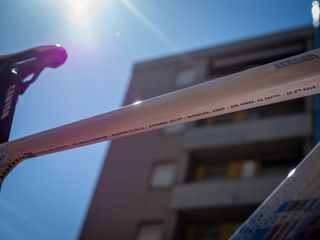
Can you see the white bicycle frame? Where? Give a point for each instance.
(282, 80)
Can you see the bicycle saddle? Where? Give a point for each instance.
(31, 62)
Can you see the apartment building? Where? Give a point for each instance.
(201, 180)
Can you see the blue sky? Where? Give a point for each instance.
(47, 197)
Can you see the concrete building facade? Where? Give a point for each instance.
(204, 178)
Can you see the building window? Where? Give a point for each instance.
(208, 171)
(175, 129)
(243, 169)
(249, 169)
(240, 116)
(163, 174)
(186, 78)
(209, 226)
(149, 231)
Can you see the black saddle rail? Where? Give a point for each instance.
(17, 72)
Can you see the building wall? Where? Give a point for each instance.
(221, 168)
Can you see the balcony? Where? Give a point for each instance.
(284, 127)
(224, 192)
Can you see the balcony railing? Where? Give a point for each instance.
(224, 192)
(282, 127)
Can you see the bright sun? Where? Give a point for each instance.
(79, 10)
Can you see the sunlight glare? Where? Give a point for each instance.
(315, 10)
(80, 10)
(14, 71)
(291, 172)
(137, 102)
(154, 29)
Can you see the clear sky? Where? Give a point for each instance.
(48, 197)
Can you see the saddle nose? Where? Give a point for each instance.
(52, 56)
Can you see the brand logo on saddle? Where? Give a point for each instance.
(8, 102)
